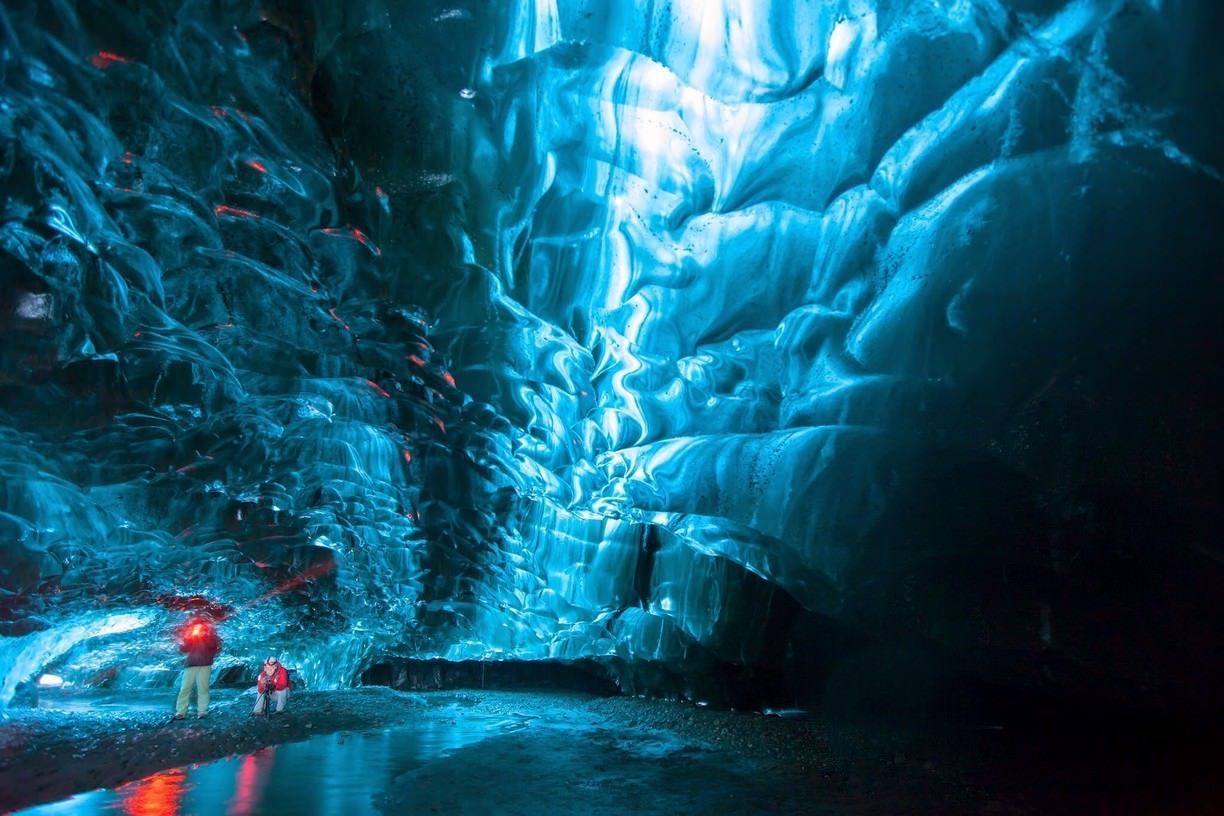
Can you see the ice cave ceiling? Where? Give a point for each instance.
(684, 335)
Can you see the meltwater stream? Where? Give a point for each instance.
(331, 773)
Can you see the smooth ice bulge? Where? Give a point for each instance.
(675, 335)
(825, 255)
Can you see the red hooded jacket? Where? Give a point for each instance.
(277, 681)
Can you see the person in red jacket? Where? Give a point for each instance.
(273, 682)
(199, 641)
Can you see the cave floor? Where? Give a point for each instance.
(377, 751)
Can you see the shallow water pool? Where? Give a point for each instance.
(328, 774)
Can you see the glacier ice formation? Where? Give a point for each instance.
(713, 341)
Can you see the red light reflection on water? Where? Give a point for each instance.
(158, 795)
(252, 777)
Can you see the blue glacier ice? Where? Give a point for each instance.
(700, 339)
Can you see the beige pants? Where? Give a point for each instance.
(197, 676)
(278, 697)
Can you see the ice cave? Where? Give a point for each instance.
(612, 406)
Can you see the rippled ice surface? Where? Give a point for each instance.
(328, 774)
(615, 331)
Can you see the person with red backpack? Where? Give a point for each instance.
(273, 682)
(199, 641)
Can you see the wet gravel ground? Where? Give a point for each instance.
(595, 755)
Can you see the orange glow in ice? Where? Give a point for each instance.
(225, 209)
(336, 317)
(296, 581)
(105, 59)
(357, 234)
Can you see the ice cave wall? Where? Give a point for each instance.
(885, 330)
(710, 340)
